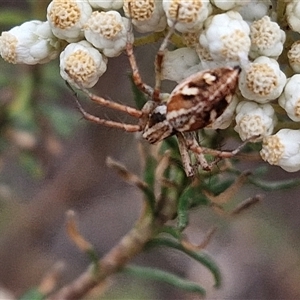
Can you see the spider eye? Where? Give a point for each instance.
(156, 117)
(157, 127)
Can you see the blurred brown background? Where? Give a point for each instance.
(258, 252)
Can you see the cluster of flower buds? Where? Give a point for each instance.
(86, 33)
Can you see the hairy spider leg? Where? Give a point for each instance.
(137, 79)
(159, 63)
(113, 105)
(108, 123)
(188, 140)
(185, 157)
(192, 144)
(155, 94)
(104, 102)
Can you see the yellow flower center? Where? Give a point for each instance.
(261, 79)
(8, 45)
(139, 10)
(104, 23)
(185, 11)
(272, 150)
(80, 66)
(64, 13)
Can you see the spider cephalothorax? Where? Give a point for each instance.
(193, 104)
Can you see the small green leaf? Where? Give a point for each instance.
(149, 173)
(274, 185)
(163, 276)
(202, 257)
(220, 187)
(93, 257)
(171, 231)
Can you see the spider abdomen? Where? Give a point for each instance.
(201, 98)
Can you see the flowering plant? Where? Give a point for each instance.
(241, 39)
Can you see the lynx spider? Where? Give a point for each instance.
(194, 103)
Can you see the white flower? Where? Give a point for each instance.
(81, 64)
(30, 43)
(255, 9)
(146, 15)
(107, 31)
(266, 38)
(262, 81)
(106, 4)
(190, 39)
(228, 4)
(254, 119)
(203, 53)
(290, 98)
(283, 149)
(226, 36)
(189, 15)
(177, 63)
(294, 56)
(67, 17)
(226, 118)
(293, 15)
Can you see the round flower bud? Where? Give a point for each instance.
(293, 15)
(146, 15)
(82, 65)
(266, 38)
(294, 56)
(67, 18)
(255, 9)
(262, 81)
(254, 119)
(190, 39)
(226, 36)
(227, 4)
(189, 15)
(289, 100)
(30, 43)
(107, 31)
(282, 149)
(106, 4)
(203, 54)
(177, 63)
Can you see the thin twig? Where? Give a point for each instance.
(129, 246)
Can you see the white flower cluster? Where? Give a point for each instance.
(214, 33)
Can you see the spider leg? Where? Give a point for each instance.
(124, 108)
(147, 89)
(113, 105)
(185, 157)
(227, 154)
(193, 145)
(159, 63)
(107, 123)
(160, 57)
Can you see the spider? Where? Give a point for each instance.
(194, 103)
